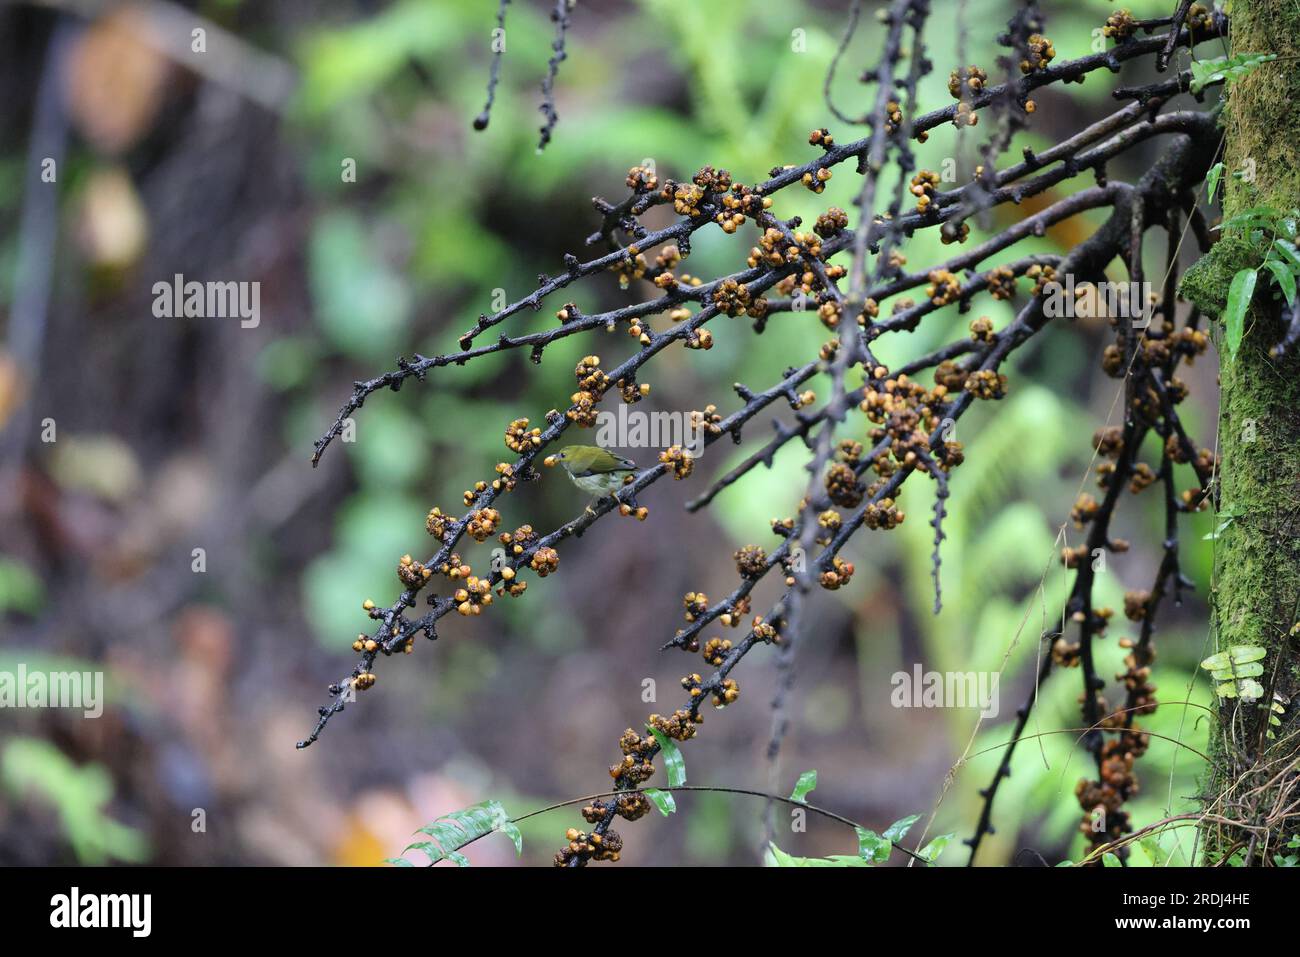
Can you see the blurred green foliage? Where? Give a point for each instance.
(31, 766)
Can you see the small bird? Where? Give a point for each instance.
(595, 470)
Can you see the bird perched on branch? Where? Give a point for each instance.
(596, 471)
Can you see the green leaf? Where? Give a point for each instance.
(1212, 181)
(674, 763)
(511, 830)
(1227, 69)
(775, 857)
(663, 800)
(1111, 860)
(1218, 531)
(1235, 655)
(1202, 73)
(898, 830)
(453, 831)
(1236, 668)
(78, 794)
(1252, 670)
(936, 847)
(427, 846)
(1289, 252)
(807, 781)
(872, 847)
(398, 862)
(1285, 278)
(1234, 316)
(1265, 217)
(1248, 689)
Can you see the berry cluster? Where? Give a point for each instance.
(1040, 52)
(679, 461)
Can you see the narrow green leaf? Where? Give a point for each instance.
(1285, 279)
(511, 830)
(398, 862)
(1212, 181)
(807, 781)
(663, 800)
(1234, 316)
(1218, 532)
(674, 763)
(427, 847)
(1289, 252)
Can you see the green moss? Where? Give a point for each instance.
(1260, 114)
(1205, 284)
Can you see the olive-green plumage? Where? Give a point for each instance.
(595, 470)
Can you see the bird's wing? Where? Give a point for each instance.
(627, 464)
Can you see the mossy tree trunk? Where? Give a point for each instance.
(1256, 599)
